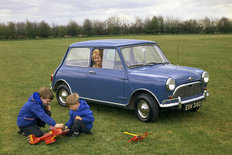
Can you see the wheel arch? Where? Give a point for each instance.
(138, 92)
(59, 82)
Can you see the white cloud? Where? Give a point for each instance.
(62, 11)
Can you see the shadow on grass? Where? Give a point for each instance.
(164, 116)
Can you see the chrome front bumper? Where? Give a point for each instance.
(178, 101)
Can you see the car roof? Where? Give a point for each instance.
(110, 43)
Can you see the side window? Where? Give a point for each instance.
(111, 59)
(106, 58)
(78, 57)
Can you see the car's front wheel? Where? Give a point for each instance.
(62, 94)
(146, 108)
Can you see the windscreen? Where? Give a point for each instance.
(136, 56)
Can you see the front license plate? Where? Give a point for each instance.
(192, 106)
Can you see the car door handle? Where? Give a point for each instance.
(92, 72)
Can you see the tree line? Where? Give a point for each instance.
(115, 25)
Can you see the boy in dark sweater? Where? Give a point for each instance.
(81, 117)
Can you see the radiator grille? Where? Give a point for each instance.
(188, 90)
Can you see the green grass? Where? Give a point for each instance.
(26, 65)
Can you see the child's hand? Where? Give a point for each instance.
(78, 117)
(48, 107)
(61, 125)
(66, 128)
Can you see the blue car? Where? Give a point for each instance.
(134, 74)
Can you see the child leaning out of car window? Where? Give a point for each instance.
(81, 117)
(97, 58)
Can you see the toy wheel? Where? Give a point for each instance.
(62, 93)
(146, 108)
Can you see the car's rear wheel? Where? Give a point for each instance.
(62, 94)
(146, 108)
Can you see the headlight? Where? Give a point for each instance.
(170, 84)
(205, 77)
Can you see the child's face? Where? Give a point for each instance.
(46, 102)
(97, 59)
(74, 107)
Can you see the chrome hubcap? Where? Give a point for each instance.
(143, 109)
(63, 94)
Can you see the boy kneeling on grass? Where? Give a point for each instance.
(81, 117)
(36, 114)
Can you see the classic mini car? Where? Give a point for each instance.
(135, 74)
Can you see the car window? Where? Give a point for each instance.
(111, 59)
(78, 57)
(136, 56)
(145, 54)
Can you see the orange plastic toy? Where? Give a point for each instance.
(49, 137)
(138, 136)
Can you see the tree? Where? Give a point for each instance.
(160, 24)
(44, 30)
(190, 26)
(113, 25)
(172, 25)
(99, 28)
(87, 27)
(154, 26)
(3, 31)
(31, 29)
(62, 31)
(137, 27)
(225, 25)
(208, 26)
(73, 28)
(11, 30)
(20, 30)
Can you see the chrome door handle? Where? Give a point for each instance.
(92, 72)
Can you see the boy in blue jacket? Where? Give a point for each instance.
(36, 113)
(81, 117)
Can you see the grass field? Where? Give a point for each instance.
(26, 65)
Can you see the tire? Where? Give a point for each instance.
(146, 108)
(62, 93)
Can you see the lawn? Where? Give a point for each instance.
(26, 65)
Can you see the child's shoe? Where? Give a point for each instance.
(75, 134)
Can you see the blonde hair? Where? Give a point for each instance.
(97, 52)
(72, 99)
(46, 93)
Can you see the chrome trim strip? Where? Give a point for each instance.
(163, 105)
(185, 85)
(65, 83)
(120, 104)
(101, 101)
(147, 91)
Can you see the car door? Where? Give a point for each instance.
(75, 68)
(106, 84)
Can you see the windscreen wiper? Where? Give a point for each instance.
(151, 63)
(136, 65)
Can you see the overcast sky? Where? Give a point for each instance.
(61, 12)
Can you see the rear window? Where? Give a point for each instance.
(78, 57)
